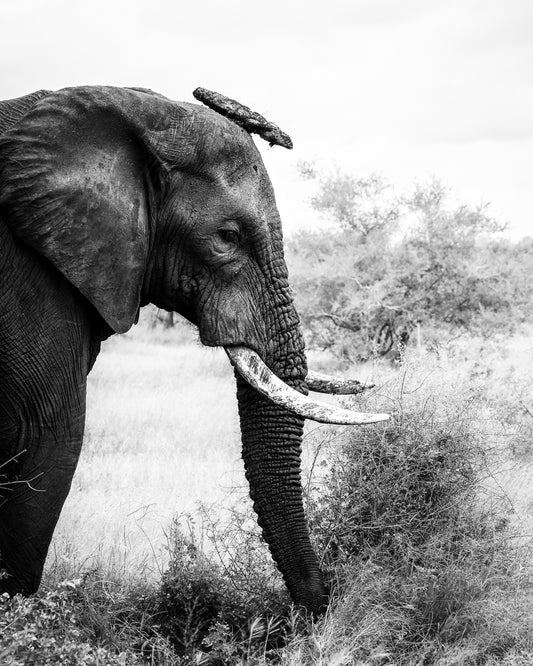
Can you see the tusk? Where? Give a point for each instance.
(316, 381)
(256, 373)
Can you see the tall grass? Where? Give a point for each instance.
(420, 529)
(423, 525)
(162, 434)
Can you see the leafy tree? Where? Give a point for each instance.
(363, 205)
(387, 263)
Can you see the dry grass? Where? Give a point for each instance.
(475, 393)
(162, 434)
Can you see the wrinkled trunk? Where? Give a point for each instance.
(271, 438)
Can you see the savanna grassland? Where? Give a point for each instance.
(162, 435)
(157, 538)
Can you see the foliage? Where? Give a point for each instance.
(228, 607)
(364, 205)
(87, 620)
(420, 551)
(387, 265)
(424, 563)
(47, 630)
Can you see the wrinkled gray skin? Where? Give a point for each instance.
(110, 199)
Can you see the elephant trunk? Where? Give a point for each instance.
(271, 438)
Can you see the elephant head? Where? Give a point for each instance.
(135, 198)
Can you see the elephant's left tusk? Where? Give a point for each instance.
(256, 373)
(316, 381)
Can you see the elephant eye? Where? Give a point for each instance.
(230, 236)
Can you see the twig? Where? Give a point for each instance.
(342, 323)
(6, 462)
(27, 482)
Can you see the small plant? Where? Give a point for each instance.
(87, 620)
(48, 630)
(226, 608)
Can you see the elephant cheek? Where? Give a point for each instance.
(232, 320)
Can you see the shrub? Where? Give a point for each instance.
(421, 555)
(48, 630)
(88, 620)
(388, 490)
(228, 606)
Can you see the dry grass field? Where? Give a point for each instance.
(446, 585)
(163, 434)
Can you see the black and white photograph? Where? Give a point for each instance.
(266, 333)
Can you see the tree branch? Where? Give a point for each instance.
(338, 321)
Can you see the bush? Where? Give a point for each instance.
(387, 266)
(421, 555)
(49, 630)
(88, 620)
(388, 490)
(226, 607)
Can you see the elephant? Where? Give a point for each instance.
(110, 199)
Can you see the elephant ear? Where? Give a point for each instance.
(74, 186)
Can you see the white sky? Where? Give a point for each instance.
(409, 88)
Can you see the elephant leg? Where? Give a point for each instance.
(49, 337)
(30, 512)
(39, 478)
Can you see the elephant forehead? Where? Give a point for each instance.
(247, 192)
(242, 198)
(245, 185)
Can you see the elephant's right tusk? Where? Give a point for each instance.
(316, 381)
(256, 373)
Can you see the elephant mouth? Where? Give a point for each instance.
(250, 366)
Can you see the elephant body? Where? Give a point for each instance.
(112, 198)
(109, 199)
(49, 340)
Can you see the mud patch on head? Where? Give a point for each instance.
(249, 120)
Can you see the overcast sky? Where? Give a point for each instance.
(408, 88)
